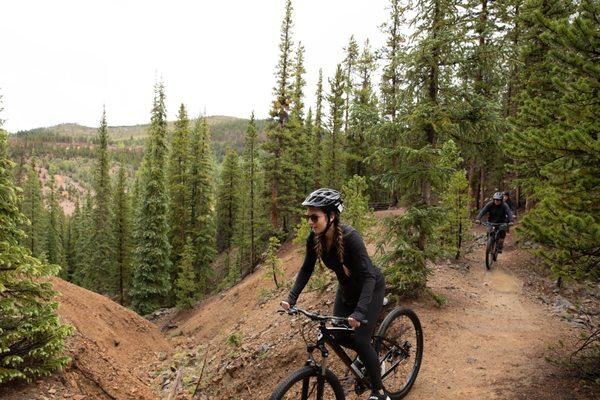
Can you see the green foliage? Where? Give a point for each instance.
(401, 254)
(455, 202)
(356, 204)
(185, 285)
(31, 337)
(102, 260)
(228, 201)
(272, 264)
(554, 140)
(202, 220)
(122, 236)
(152, 265)
(234, 339)
(178, 185)
(54, 246)
(333, 155)
(33, 208)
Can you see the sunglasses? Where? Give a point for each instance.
(313, 217)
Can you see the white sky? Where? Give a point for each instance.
(62, 60)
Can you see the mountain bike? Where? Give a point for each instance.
(398, 341)
(491, 247)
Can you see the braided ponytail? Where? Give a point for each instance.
(338, 239)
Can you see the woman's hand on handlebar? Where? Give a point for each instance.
(353, 323)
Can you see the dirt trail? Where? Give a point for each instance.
(490, 340)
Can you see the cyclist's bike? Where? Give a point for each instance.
(491, 247)
(398, 341)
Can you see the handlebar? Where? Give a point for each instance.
(318, 317)
(496, 223)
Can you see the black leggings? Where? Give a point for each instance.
(361, 340)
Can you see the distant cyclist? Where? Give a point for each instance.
(498, 212)
(509, 202)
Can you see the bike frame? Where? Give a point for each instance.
(326, 338)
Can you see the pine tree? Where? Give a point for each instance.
(364, 117)
(318, 133)
(177, 178)
(349, 69)
(31, 336)
(55, 252)
(392, 96)
(356, 204)
(122, 236)
(185, 285)
(152, 265)
(555, 137)
(334, 164)
(102, 261)
(273, 263)
(251, 219)
(421, 173)
(228, 201)
(277, 160)
(33, 208)
(202, 220)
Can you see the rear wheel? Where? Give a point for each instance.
(308, 383)
(399, 344)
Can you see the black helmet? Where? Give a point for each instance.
(328, 199)
(498, 196)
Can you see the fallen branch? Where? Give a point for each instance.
(201, 372)
(89, 376)
(176, 384)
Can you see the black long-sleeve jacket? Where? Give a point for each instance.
(498, 213)
(356, 289)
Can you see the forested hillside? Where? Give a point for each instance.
(464, 99)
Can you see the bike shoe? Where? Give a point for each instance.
(375, 396)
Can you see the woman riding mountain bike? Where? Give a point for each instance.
(361, 288)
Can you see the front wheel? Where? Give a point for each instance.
(308, 383)
(489, 252)
(399, 344)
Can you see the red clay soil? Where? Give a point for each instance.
(112, 352)
(488, 342)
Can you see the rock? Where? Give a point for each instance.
(577, 323)
(264, 348)
(162, 356)
(52, 391)
(545, 299)
(562, 303)
(471, 360)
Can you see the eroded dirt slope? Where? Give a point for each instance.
(113, 352)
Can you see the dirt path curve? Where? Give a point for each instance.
(489, 341)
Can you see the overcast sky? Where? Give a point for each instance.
(62, 60)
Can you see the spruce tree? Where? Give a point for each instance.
(102, 262)
(152, 265)
(334, 163)
(31, 336)
(33, 208)
(54, 246)
(177, 178)
(554, 140)
(421, 172)
(349, 69)
(252, 216)
(318, 133)
(122, 236)
(202, 220)
(185, 284)
(277, 159)
(364, 117)
(228, 201)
